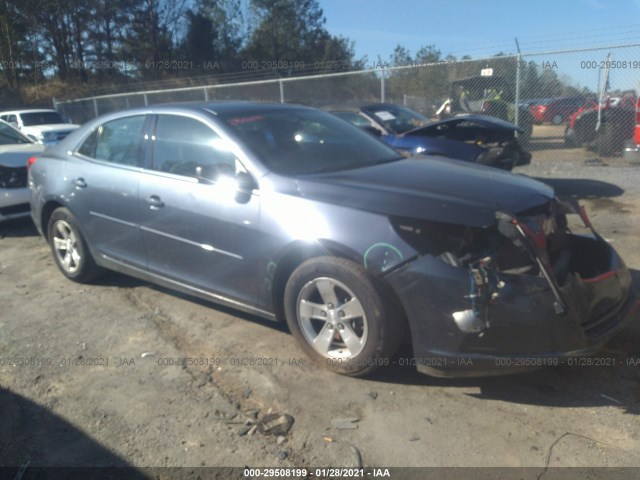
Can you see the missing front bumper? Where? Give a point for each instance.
(523, 323)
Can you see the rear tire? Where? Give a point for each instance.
(69, 247)
(345, 319)
(605, 141)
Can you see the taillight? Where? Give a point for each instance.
(30, 162)
(636, 135)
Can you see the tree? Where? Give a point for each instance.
(428, 54)
(286, 32)
(213, 34)
(400, 56)
(109, 20)
(227, 20)
(199, 45)
(14, 44)
(150, 39)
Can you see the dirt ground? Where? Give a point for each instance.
(89, 374)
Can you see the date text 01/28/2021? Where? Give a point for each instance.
(316, 473)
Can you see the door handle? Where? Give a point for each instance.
(155, 202)
(79, 182)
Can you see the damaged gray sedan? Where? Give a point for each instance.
(294, 215)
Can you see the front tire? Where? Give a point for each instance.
(344, 318)
(69, 247)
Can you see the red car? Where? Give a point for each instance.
(581, 126)
(558, 110)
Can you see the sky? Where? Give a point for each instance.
(481, 28)
(486, 28)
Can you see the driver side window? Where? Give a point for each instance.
(188, 147)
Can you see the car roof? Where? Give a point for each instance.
(29, 110)
(224, 107)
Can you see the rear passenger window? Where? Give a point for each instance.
(118, 141)
(185, 146)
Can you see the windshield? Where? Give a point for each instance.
(397, 119)
(10, 136)
(302, 141)
(41, 118)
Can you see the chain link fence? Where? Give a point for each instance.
(565, 99)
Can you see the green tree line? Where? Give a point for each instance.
(89, 46)
(80, 41)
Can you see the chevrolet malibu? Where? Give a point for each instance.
(293, 214)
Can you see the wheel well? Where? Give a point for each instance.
(300, 254)
(47, 210)
(292, 260)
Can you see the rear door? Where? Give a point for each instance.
(195, 229)
(104, 175)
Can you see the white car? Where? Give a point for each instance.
(15, 149)
(44, 126)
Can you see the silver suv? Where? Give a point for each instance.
(43, 125)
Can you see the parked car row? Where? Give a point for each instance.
(15, 149)
(558, 110)
(296, 215)
(42, 125)
(605, 128)
(473, 138)
(483, 95)
(23, 134)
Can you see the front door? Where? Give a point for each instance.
(195, 228)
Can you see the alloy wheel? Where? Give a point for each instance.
(65, 245)
(332, 318)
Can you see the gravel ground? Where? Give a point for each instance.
(98, 387)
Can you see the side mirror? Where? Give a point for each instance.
(246, 182)
(223, 177)
(246, 185)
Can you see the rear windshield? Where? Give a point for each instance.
(41, 118)
(302, 141)
(397, 119)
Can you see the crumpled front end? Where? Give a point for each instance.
(524, 293)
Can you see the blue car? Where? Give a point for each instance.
(473, 138)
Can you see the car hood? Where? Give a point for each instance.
(16, 155)
(433, 188)
(490, 123)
